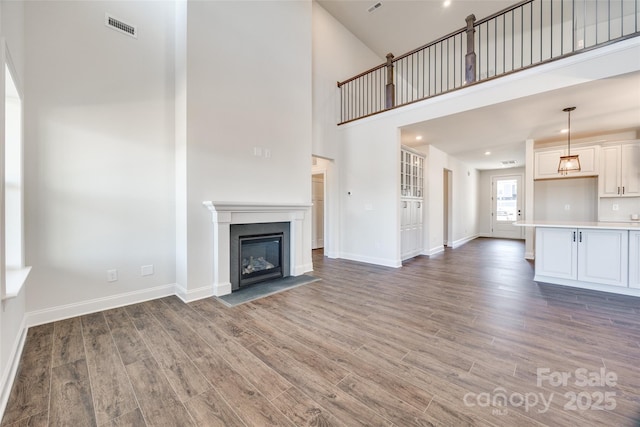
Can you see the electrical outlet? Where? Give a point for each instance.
(615, 207)
(147, 270)
(112, 275)
(567, 207)
(267, 153)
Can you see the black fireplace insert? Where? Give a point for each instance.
(260, 258)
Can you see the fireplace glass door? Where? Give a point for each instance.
(260, 258)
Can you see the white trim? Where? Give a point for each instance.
(9, 375)
(623, 290)
(302, 269)
(66, 311)
(190, 295)
(460, 242)
(372, 260)
(434, 251)
(529, 255)
(15, 280)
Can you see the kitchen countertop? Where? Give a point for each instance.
(632, 225)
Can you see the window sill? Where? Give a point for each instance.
(16, 278)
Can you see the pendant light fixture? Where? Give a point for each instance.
(569, 163)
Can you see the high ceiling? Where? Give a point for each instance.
(399, 26)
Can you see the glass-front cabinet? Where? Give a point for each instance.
(411, 202)
(411, 174)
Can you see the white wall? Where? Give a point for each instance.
(12, 311)
(484, 196)
(99, 154)
(370, 193)
(248, 84)
(579, 194)
(336, 55)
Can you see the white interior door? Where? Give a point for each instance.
(317, 214)
(506, 207)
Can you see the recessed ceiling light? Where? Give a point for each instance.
(419, 138)
(487, 153)
(564, 130)
(446, 3)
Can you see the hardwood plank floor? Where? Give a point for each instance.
(461, 338)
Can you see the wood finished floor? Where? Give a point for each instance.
(432, 343)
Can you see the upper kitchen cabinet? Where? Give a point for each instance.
(546, 162)
(620, 170)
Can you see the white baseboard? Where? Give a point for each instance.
(303, 268)
(9, 374)
(587, 285)
(67, 311)
(220, 289)
(372, 260)
(190, 295)
(460, 242)
(433, 251)
(331, 254)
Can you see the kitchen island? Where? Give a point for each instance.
(603, 256)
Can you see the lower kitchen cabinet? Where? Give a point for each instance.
(598, 256)
(603, 256)
(634, 259)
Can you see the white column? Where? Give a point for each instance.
(529, 232)
(221, 257)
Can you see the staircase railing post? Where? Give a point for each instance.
(390, 89)
(470, 57)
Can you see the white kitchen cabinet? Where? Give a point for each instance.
(557, 252)
(620, 170)
(634, 259)
(411, 202)
(585, 255)
(546, 162)
(603, 256)
(411, 228)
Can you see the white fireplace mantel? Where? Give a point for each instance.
(223, 214)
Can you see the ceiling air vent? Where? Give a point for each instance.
(374, 7)
(507, 163)
(118, 25)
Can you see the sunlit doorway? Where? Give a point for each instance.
(506, 208)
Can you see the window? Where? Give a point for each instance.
(13, 268)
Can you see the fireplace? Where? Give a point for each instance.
(258, 252)
(229, 218)
(260, 258)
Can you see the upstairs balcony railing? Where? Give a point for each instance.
(529, 33)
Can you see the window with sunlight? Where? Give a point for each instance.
(14, 268)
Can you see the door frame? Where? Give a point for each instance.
(521, 202)
(447, 202)
(323, 173)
